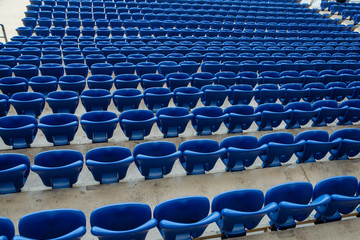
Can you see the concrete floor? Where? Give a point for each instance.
(87, 194)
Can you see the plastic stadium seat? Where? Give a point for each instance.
(356, 86)
(43, 84)
(200, 155)
(11, 85)
(344, 197)
(99, 126)
(189, 67)
(214, 95)
(100, 82)
(74, 83)
(226, 78)
(292, 92)
(175, 80)
(108, 164)
(249, 78)
(7, 231)
(268, 77)
(352, 113)
(241, 152)
(152, 80)
(172, 121)
(146, 68)
(127, 99)
(201, 79)
(301, 114)
(207, 120)
(5, 71)
(96, 99)
(157, 97)
(26, 71)
(122, 221)
(316, 92)
(59, 129)
(311, 76)
(348, 75)
(28, 103)
(272, 114)
(330, 76)
(166, 67)
(187, 97)
(126, 81)
(58, 168)
(185, 217)
(293, 200)
(267, 93)
(63, 101)
(136, 124)
(240, 117)
(55, 223)
(280, 148)
(165, 154)
(77, 69)
(124, 68)
(52, 69)
(291, 76)
(317, 145)
(349, 145)
(339, 91)
(328, 112)
(240, 210)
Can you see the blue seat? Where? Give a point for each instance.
(100, 82)
(146, 68)
(241, 94)
(328, 112)
(189, 67)
(126, 81)
(165, 154)
(241, 152)
(74, 83)
(249, 78)
(152, 80)
(67, 224)
(4, 105)
(280, 148)
(270, 77)
(226, 78)
(59, 129)
(185, 217)
(316, 92)
(166, 67)
(43, 84)
(172, 121)
(124, 68)
(157, 97)
(99, 126)
(301, 114)
(272, 114)
(175, 80)
(5, 71)
(293, 200)
(108, 164)
(28, 103)
(11, 85)
(292, 92)
(267, 93)
(7, 231)
(207, 120)
(349, 145)
(214, 95)
(317, 145)
(339, 91)
(122, 221)
(348, 75)
(14, 171)
(344, 197)
(77, 69)
(240, 210)
(240, 117)
(291, 76)
(58, 168)
(201, 79)
(18, 131)
(352, 113)
(200, 155)
(52, 69)
(136, 124)
(311, 76)
(330, 76)
(96, 99)
(63, 101)
(187, 97)
(127, 99)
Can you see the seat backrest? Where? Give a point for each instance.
(347, 133)
(243, 142)
(156, 148)
(200, 145)
(6, 228)
(355, 103)
(57, 158)
(108, 154)
(10, 160)
(315, 135)
(324, 103)
(272, 107)
(282, 137)
(291, 86)
(268, 86)
(294, 192)
(208, 111)
(304, 106)
(137, 115)
(342, 185)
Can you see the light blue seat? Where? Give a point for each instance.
(207, 120)
(155, 159)
(349, 145)
(301, 114)
(28, 103)
(96, 99)
(122, 221)
(240, 210)
(187, 97)
(67, 224)
(172, 121)
(14, 170)
(108, 164)
(184, 218)
(156, 98)
(127, 99)
(352, 113)
(240, 117)
(136, 124)
(58, 168)
(272, 114)
(7, 231)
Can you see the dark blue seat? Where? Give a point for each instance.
(175, 80)
(126, 81)
(67, 224)
(99, 126)
(292, 92)
(291, 76)
(165, 154)
(241, 152)
(4, 105)
(63, 101)
(102, 69)
(207, 120)
(348, 75)
(52, 69)
(18, 131)
(166, 67)
(108, 164)
(14, 171)
(58, 168)
(187, 97)
(185, 217)
(328, 112)
(214, 95)
(240, 117)
(122, 221)
(226, 78)
(74, 83)
(59, 129)
(317, 145)
(124, 68)
(316, 92)
(201, 79)
(329, 76)
(7, 231)
(146, 68)
(152, 80)
(301, 114)
(11, 85)
(339, 91)
(270, 77)
(280, 148)
(311, 76)
(267, 93)
(189, 67)
(241, 94)
(127, 99)
(349, 145)
(136, 124)
(26, 71)
(352, 113)
(157, 97)
(100, 81)
(249, 66)
(172, 121)
(344, 197)
(200, 155)
(28, 103)
(272, 114)
(293, 200)
(43, 84)
(249, 78)
(96, 99)
(240, 210)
